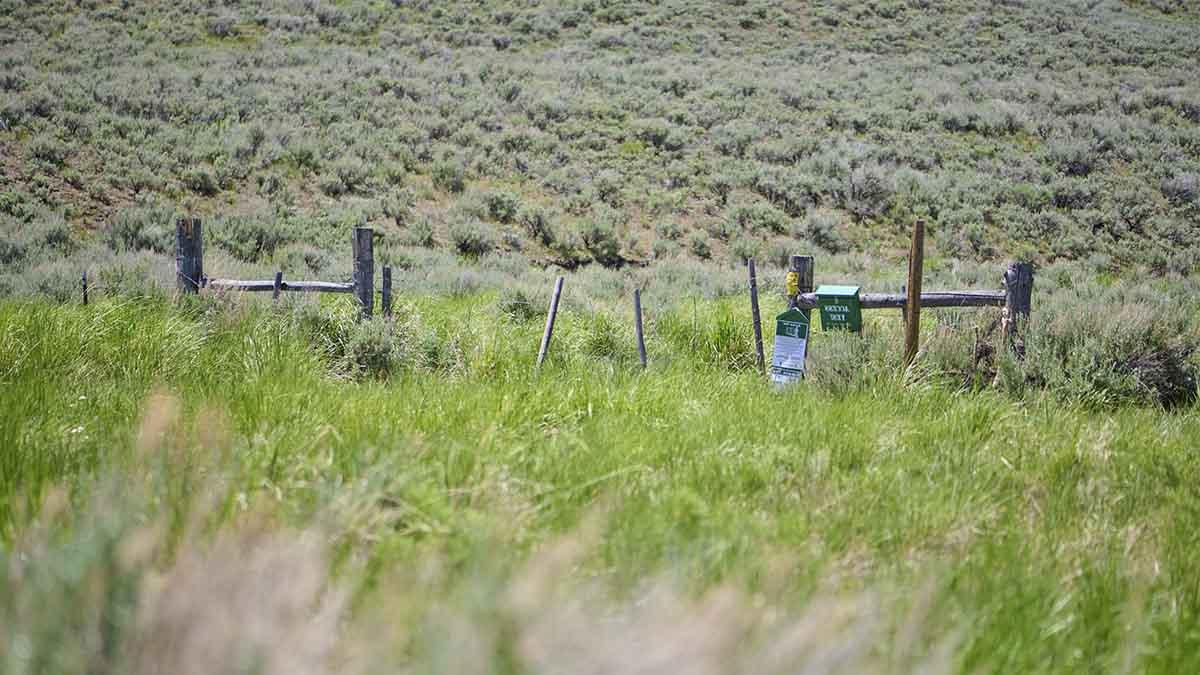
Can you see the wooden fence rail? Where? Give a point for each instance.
(268, 286)
(928, 299)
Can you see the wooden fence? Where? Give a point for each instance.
(190, 276)
(1014, 296)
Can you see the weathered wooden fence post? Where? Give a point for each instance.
(83, 282)
(363, 245)
(189, 255)
(278, 286)
(756, 318)
(912, 325)
(550, 322)
(637, 326)
(1018, 301)
(386, 296)
(802, 267)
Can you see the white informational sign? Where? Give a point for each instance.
(791, 347)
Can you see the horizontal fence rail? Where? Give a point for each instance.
(268, 286)
(931, 299)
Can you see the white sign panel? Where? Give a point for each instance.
(791, 347)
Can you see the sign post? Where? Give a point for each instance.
(791, 347)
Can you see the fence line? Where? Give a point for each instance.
(1015, 296)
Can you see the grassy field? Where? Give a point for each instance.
(165, 468)
(217, 484)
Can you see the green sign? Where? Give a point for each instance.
(840, 308)
(791, 346)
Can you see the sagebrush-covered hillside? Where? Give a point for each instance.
(603, 131)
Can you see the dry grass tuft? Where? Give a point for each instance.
(256, 602)
(553, 623)
(160, 414)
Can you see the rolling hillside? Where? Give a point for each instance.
(600, 131)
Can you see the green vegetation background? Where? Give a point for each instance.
(229, 486)
(605, 132)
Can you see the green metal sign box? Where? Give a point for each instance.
(840, 308)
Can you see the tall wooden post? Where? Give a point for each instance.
(637, 326)
(386, 295)
(549, 331)
(189, 255)
(84, 283)
(756, 318)
(912, 322)
(278, 286)
(802, 267)
(363, 245)
(1018, 301)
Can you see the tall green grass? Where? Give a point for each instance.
(1009, 534)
